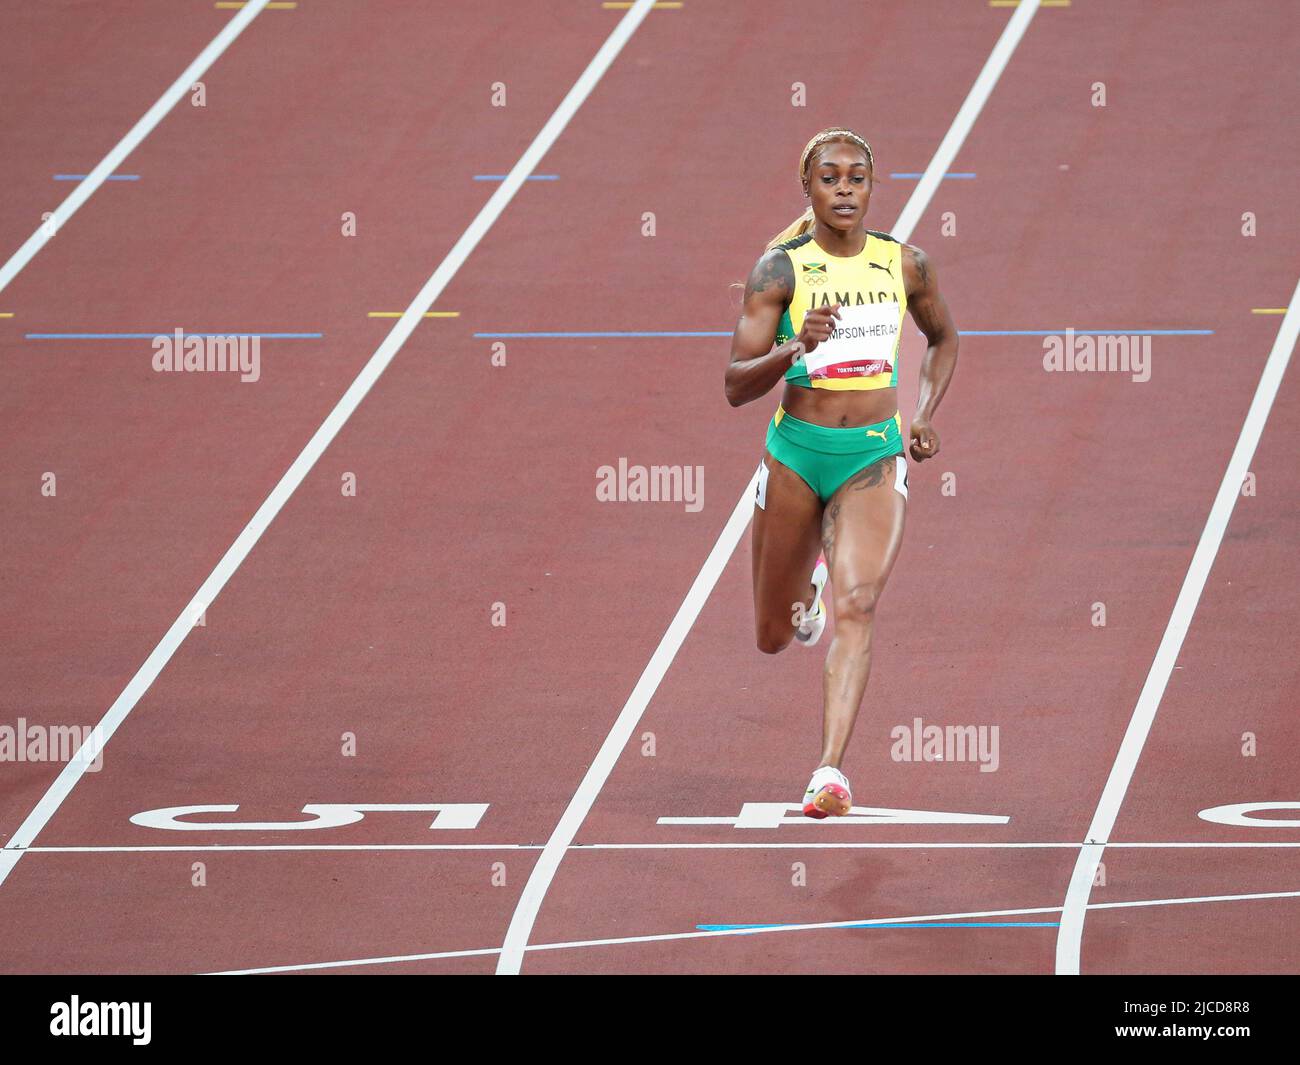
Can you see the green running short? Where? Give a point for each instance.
(825, 458)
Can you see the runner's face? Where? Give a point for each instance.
(839, 186)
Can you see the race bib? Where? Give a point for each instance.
(862, 344)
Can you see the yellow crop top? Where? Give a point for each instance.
(869, 286)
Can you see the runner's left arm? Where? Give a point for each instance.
(930, 312)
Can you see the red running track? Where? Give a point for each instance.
(371, 615)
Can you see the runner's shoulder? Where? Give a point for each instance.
(918, 271)
(772, 277)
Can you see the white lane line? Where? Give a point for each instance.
(293, 477)
(312, 966)
(363, 961)
(85, 188)
(1252, 897)
(1070, 935)
(820, 926)
(539, 881)
(165, 849)
(580, 847)
(897, 846)
(530, 900)
(961, 125)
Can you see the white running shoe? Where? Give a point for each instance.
(828, 794)
(814, 620)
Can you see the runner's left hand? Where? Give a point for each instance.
(925, 441)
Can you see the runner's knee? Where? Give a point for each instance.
(772, 639)
(857, 604)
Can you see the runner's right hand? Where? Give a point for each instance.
(818, 324)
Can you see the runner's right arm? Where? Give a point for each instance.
(755, 365)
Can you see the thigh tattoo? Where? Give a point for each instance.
(872, 476)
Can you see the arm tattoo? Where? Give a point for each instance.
(927, 317)
(921, 262)
(774, 271)
(925, 304)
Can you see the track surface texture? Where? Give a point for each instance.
(440, 610)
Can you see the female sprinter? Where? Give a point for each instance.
(834, 476)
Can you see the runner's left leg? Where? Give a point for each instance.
(862, 529)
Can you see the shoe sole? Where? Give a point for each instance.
(812, 638)
(831, 801)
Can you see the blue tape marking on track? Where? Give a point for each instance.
(879, 924)
(961, 332)
(966, 175)
(530, 177)
(82, 177)
(167, 333)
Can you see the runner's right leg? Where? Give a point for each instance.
(786, 542)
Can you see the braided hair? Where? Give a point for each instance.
(834, 135)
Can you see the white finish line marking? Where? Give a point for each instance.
(773, 815)
(53, 798)
(539, 880)
(580, 847)
(1070, 935)
(822, 926)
